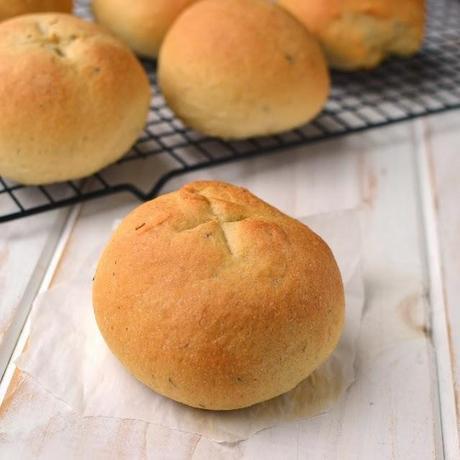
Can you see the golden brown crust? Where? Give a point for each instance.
(359, 34)
(215, 299)
(73, 98)
(11, 8)
(142, 24)
(242, 68)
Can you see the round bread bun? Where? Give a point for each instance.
(10, 8)
(359, 34)
(242, 68)
(73, 98)
(142, 24)
(217, 300)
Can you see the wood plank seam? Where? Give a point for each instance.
(446, 393)
(40, 282)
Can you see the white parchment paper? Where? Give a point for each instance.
(68, 357)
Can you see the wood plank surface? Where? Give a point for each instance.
(21, 244)
(26, 248)
(442, 137)
(392, 410)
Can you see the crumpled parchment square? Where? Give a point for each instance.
(68, 357)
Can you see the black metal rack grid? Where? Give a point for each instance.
(397, 91)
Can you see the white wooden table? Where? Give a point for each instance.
(406, 178)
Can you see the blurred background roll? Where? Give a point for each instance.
(10, 8)
(73, 98)
(142, 24)
(242, 68)
(359, 34)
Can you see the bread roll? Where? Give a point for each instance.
(217, 300)
(73, 98)
(359, 34)
(10, 8)
(142, 24)
(242, 68)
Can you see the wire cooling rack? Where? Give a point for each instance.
(397, 91)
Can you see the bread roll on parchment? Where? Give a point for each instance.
(215, 299)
